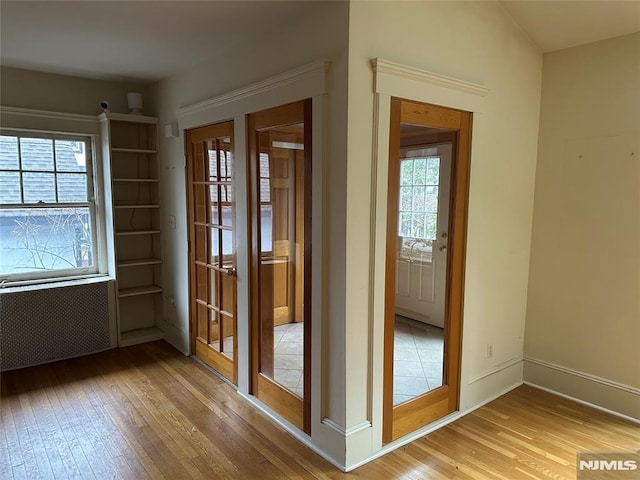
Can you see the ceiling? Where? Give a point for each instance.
(147, 41)
(554, 25)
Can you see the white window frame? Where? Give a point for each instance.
(89, 145)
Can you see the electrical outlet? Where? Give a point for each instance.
(172, 222)
(489, 350)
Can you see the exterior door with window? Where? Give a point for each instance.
(425, 173)
(212, 250)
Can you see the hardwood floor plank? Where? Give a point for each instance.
(148, 412)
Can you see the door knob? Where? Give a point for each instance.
(443, 248)
(232, 272)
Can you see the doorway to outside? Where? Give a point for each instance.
(426, 230)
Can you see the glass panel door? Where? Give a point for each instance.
(212, 247)
(281, 174)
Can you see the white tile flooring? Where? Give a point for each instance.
(418, 358)
(288, 358)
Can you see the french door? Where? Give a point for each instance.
(280, 206)
(422, 363)
(212, 248)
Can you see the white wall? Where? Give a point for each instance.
(62, 93)
(583, 315)
(476, 42)
(321, 34)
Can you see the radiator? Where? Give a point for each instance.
(43, 325)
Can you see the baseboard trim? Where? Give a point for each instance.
(607, 394)
(584, 402)
(291, 429)
(429, 428)
(584, 375)
(345, 432)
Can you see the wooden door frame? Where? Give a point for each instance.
(444, 399)
(269, 118)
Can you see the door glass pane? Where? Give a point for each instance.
(421, 264)
(227, 335)
(213, 276)
(214, 218)
(214, 246)
(199, 203)
(281, 188)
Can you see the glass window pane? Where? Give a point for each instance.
(201, 243)
(406, 172)
(265, 193)
(39, 187)
(418, 199)
(213, 204)
(419, 171)
(212, 164)
(228, 248)
(264, 165)
(37, 154)
(266, 222)
(40, 239)
(201, 282)
(406, 198)
(9, 153)
(214, 246)
(433, 171)
(227, 216)
(199, 201)
(70, 156)
(213, 276)
(227, 335)
(405, 224)
(430, 226)
(10, 187)
(72, 187)
(431, 205)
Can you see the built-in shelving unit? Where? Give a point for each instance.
(130, 153)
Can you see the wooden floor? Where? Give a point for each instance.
(149, 412)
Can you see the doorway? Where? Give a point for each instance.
(280, 212)
(212, 248)
(426, 229)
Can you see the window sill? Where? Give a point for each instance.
(32, 285)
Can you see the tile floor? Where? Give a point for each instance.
(288, 342)
(418, 357)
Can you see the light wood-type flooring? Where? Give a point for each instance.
(150, 412)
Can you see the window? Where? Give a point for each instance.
(47, 211)
(418, 212)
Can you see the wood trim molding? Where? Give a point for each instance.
(315, 70)
(385, 67)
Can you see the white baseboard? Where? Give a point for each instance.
(603, 394)
(585, 403)
(291, 429)
(429, 428)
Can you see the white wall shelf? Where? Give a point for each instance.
(135, 291)
(130, 151)
(138, 262)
